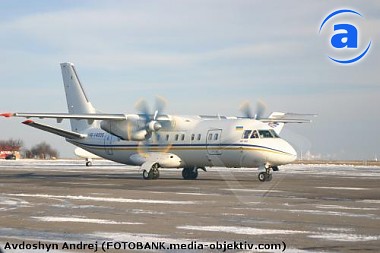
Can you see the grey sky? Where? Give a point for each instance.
(205, 57)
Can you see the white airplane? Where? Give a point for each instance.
(159, 140)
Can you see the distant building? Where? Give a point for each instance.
(9, 150)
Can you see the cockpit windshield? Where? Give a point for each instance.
(251, 134)
(265, 134)
(275, 135)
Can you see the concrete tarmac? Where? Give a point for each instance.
(310, 208)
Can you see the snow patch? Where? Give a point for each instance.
(241, 230)
(334, 213)
(119, 200)
(83, 220)
(346, 207)
(372, 201)
(197, 194)
(340, 237)
(252, 190)
(343, 188)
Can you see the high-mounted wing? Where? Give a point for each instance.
(98, 116)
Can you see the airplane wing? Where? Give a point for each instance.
(89, 116)
(55, 130)
(98, 116)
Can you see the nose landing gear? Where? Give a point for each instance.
(264, 176)
(267, 174)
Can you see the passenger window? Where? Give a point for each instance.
(216, 136)
(176, 137)
(192, 137)
(182, 137)
(199, 137)
(246, 134)
(254, 134)
(210, 137)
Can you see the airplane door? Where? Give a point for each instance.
(108, 144)
(213, 141)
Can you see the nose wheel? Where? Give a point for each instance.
(264, 176)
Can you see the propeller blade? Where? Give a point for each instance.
(260, 110)
(160, 104)
(142, 107)
(246, 109)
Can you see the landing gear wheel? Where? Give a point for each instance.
(88, 164)
(262, 176)
(190, 173)
(153, 173)
(268, 177)
(146, 174)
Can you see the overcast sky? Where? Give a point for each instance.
(204, 57)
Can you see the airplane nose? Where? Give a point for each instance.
(291, 150)
(289, 153)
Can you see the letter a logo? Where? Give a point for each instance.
(345, 46)
(348, 39)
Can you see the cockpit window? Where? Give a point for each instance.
(254, 134)
(246, 134)
(275, 135)
(265, 134)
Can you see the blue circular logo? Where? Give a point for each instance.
(345, 37)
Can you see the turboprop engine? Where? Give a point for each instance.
(133, 128)
(138, 127)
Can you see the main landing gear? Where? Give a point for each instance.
(267, 175)
(191, 173)
(153, 173)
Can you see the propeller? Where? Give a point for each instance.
(151, 123)
(245, 108)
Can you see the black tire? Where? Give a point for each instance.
(88, 164)
(190, 173)
(145, 175)
(268, 177)
(262, 176)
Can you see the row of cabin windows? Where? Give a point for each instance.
(252, 134)
(197, 137)
(181, 137)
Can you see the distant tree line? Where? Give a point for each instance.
(11, 145)
(42, 150)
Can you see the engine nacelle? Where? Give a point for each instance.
(125, 130)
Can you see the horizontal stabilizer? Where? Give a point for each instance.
(279, 120)
(54, 130)
(281, 117)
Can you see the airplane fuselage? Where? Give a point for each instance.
(197, 142)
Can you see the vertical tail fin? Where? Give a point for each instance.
(77, 101)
